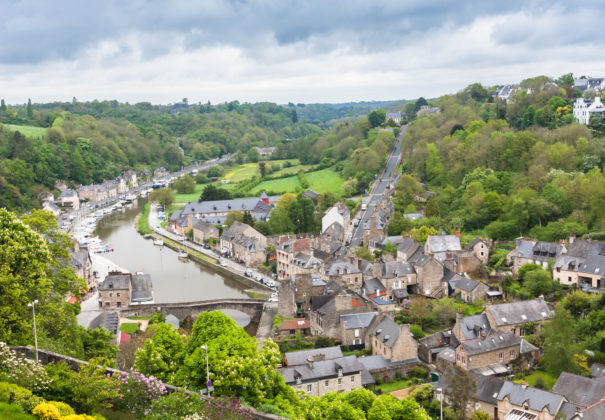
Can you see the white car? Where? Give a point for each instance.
(222, 262)
(273, 299)
(270, 283)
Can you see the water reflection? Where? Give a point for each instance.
(173, 280)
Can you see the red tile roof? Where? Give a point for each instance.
(295, 324)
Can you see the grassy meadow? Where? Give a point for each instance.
(27, 130)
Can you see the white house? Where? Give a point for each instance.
(337, 213)
(583, 109)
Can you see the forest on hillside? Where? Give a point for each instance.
(508, 168)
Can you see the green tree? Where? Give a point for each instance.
(280, 222)
(364, 253)
(234, 216)
(2, 105)
(185, 184)
(201, 178)
(422, 233)
(377, 117)
(30, 110)
(253, 155)
(216, 171)
(461, 388)
(406, 191)
(559, 347)
(301, 214)
(162, 354)
(164, 196)
(262, 167)
(212, 193)
(432, 208)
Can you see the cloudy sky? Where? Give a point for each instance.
(279, 50)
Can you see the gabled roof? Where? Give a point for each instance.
(394, 269)
(373, 286)
(519, 312)
(493, 342)
(296, 358)
(361, 320)
(141, 287)
(597, 370)
(536, 399)
(466, 284)
(579, 390)
(253, 205)
(341, 267)
(386, 331)
(593, 412)
(472, 326)
(235, 229)
(473, 243)
(374, 362)
(295, 324)
(321, 369)
(444, 243)
(116, 281)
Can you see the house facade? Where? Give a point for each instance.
(339, 213)
(392, 341)
(69, 198)
(585, 109)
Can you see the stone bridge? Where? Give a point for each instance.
(251, 307)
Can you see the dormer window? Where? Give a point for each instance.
(299, 380)
(339, 371)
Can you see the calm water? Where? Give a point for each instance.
(173, 280)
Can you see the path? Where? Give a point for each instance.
(266, 327)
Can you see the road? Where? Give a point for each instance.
(381, 187)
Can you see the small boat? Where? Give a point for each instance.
(158, 242)
(183, 256)
(147, 236)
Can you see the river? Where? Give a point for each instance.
(173, 280)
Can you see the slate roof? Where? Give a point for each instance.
(579, 390)
(202, 225)
(311, 194)
(380, 301)
(116, 281)
(527, 347)
(141, 287)
(491, 343)
(68, 193)
(537, 399)
(487, 388)
(386, 330)
(471, 326)
(341, 267)
(321, 369)
(394, 269)
(373, 286)
(519, 312)
(353, 321)
(474, 242)
(79, 259)
(374, 362)
(597, 370)
(255, 206)
(444, 243)
(400, 293)
(237, 228)
(295, 358)
(447, 354)
(466, 284)
(594, 412)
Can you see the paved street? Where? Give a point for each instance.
(381, 187)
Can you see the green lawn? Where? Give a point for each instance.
(248, 170)
(27, 130)
(395, 385)
(292, 170)
(548, 380)
(129, 327)
(319, 181)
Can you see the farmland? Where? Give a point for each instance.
(27, 130)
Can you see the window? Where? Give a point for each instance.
(118, 294)
(308, 388)
(352, 379)
(501, 356)
(119, 304)
(339, 381)
(327, 383)
(356, 333)
(482, 253)
(357, 341)
(512, 354)
(110, 294)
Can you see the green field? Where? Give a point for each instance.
(27, 130)
(129, 327)
(395, 385)
(319, 181)
(248, 170)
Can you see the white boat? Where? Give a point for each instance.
(182, 255)
(158, 242)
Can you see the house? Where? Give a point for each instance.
(396, 276)
(395, 116)
(534, 252)
(318, 374)
(391, 340)
(373, 288)
(429, 275)
(583, 265)
(432, 345)
(312, 195)
(407, 248)
(344, 273)
(594, 412)
(580, 390)
(326, 310)
(339, 213)
(69, 198)
(520, 401)
(245, 242)
(305, 287)
(377, 367)
(82, 265)
(130, 177)
(511, 317)
(295, 325)
(597, 370)
(494, 352)
(160, 172)
(265, 151)
(112, 189)
(479, 249)
(471, 327)
(353, 327)
(50, 206)
(380, 243)
(504, 92)
(334, 232)
(427, 110)
(595, 83)
(203, 231)
(471, 290)
(118, 290)
(285, 251)
(442, 247)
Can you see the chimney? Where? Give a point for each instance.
(343, 302)
(458, 233)
(457, 331)
(572, 238)
(310, 362)
(541, 297)
(524, 385)
(483, 335)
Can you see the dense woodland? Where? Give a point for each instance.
(522, 167)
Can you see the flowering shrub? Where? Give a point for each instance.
(46, 411)
(137, 391)
(64, 409)
(23, 372)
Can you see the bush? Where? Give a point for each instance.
(64, 409)
(137, 392)
(175, 405)
(419, 372)
(46, 411)
(21, 371)
(416, 331)
(5, 392)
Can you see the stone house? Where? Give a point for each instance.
(292, 326)
(391, 340)
(583, 265)
(326, 310)
(511, 317)
(69, 198)
(339, 213)
(320, 375)
(407, 248)
(307, 286)
(520, 401)
(442, 247)
(353, 327)
(494, 352)
(130, 177)
(334, 232)
(479, 249)
(429, 275)
(89, 193)
(580, 390)
(112, 189)
(82, 265)
(160, 172)
(203, 231)
(251, 249)
(237, 230)
(383, 306)
(118, 290)
(534, 252)
(344, 273)
(265, 151)
(395, 275)
(431, 345)
(304, 263)
(471, 290)
(285, 251)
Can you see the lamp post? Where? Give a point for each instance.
(33, 306)
(205, 348)
(440, 390)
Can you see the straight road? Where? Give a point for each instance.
(376, 194)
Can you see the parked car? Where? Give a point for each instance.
(239, 261)
(273, 299)
(206, 246)
(222, 262)
(248, 273)
(270, 283)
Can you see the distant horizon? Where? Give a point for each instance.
(312, 52)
